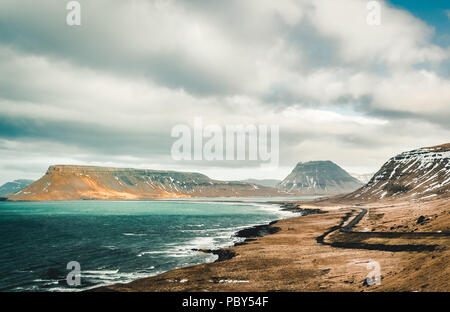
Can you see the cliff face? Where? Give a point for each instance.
(421, 173)
(319, 178)
(65, 182)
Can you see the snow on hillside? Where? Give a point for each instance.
(421, 173)
(319, 178)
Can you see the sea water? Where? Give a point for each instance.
(114, 241)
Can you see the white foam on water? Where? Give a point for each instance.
(224, 237)
(100, 272)
(276, 209)
(216, 238)
(111, 247)
(104, 278)
(175, 252)
(48, 281)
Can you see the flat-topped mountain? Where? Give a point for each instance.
(319, 178)
(420, 173)
(14, 186)
(67, 182)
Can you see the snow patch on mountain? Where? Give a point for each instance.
(319, 178)
(420, 173)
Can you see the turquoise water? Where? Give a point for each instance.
(114, 241)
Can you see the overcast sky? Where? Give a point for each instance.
(108, 92)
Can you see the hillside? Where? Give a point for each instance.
(66, 182)
(14, 186)
(420, 173)
(319, 178)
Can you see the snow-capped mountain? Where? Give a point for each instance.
(67, 182)
(14, 186)
(319, 178)
(421, 173)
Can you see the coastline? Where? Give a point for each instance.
(287, 254)
(249, 234)
(196, 237)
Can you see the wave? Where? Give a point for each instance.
(212, 232)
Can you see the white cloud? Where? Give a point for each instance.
(400, 40)
(336, 86)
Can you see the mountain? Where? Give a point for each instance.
(319, 178)
(263, 182)
(420, 173)
(364, 177)
(67, 182)
(15, 186)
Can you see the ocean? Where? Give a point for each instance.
(115, 241)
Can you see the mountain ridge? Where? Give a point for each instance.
(73, 182)
(14, 186)
(419, 173)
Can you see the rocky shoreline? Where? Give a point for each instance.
(310, 253)
(298, 209)
(251, 233)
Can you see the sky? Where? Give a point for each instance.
(109, 91)
(435, 13)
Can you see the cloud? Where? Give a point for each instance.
(400, 40)
(109, 91)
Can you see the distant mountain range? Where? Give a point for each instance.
(319, 178)
(263, 182)
(420, 173)
(66, 182)
(69, 182)
(364, 177)
(14, 186)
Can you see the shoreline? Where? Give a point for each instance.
(225, 253)
(267, 211)
(295, 198)
(329, 250)
(250, 234)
